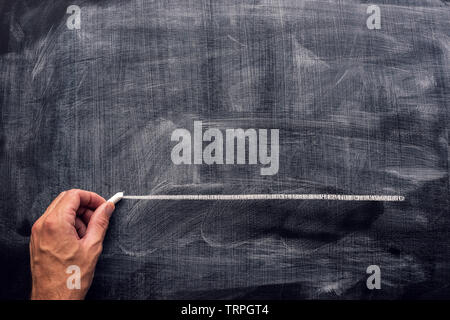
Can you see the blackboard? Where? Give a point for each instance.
(359, 111)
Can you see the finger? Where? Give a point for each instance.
(80, 227)
(76, 198)
(98, 224)
(82, 198)
(86, 215)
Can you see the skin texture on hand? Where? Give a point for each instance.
(70, 232)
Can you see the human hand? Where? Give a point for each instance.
(70, 232)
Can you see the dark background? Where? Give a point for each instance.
(359, 111)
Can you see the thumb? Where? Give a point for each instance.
(98, 224)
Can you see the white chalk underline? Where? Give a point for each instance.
(342, 197)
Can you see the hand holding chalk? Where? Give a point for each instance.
(66, 242)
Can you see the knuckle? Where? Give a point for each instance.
(35, 228)
(49, 224)
(103, 222)
(73, 191)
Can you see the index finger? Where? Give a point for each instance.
(76, 198)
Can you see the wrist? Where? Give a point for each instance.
(56, 293)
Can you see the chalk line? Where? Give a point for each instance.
(342, 197)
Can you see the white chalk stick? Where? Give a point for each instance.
(116, 198)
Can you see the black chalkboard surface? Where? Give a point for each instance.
(360, 111)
